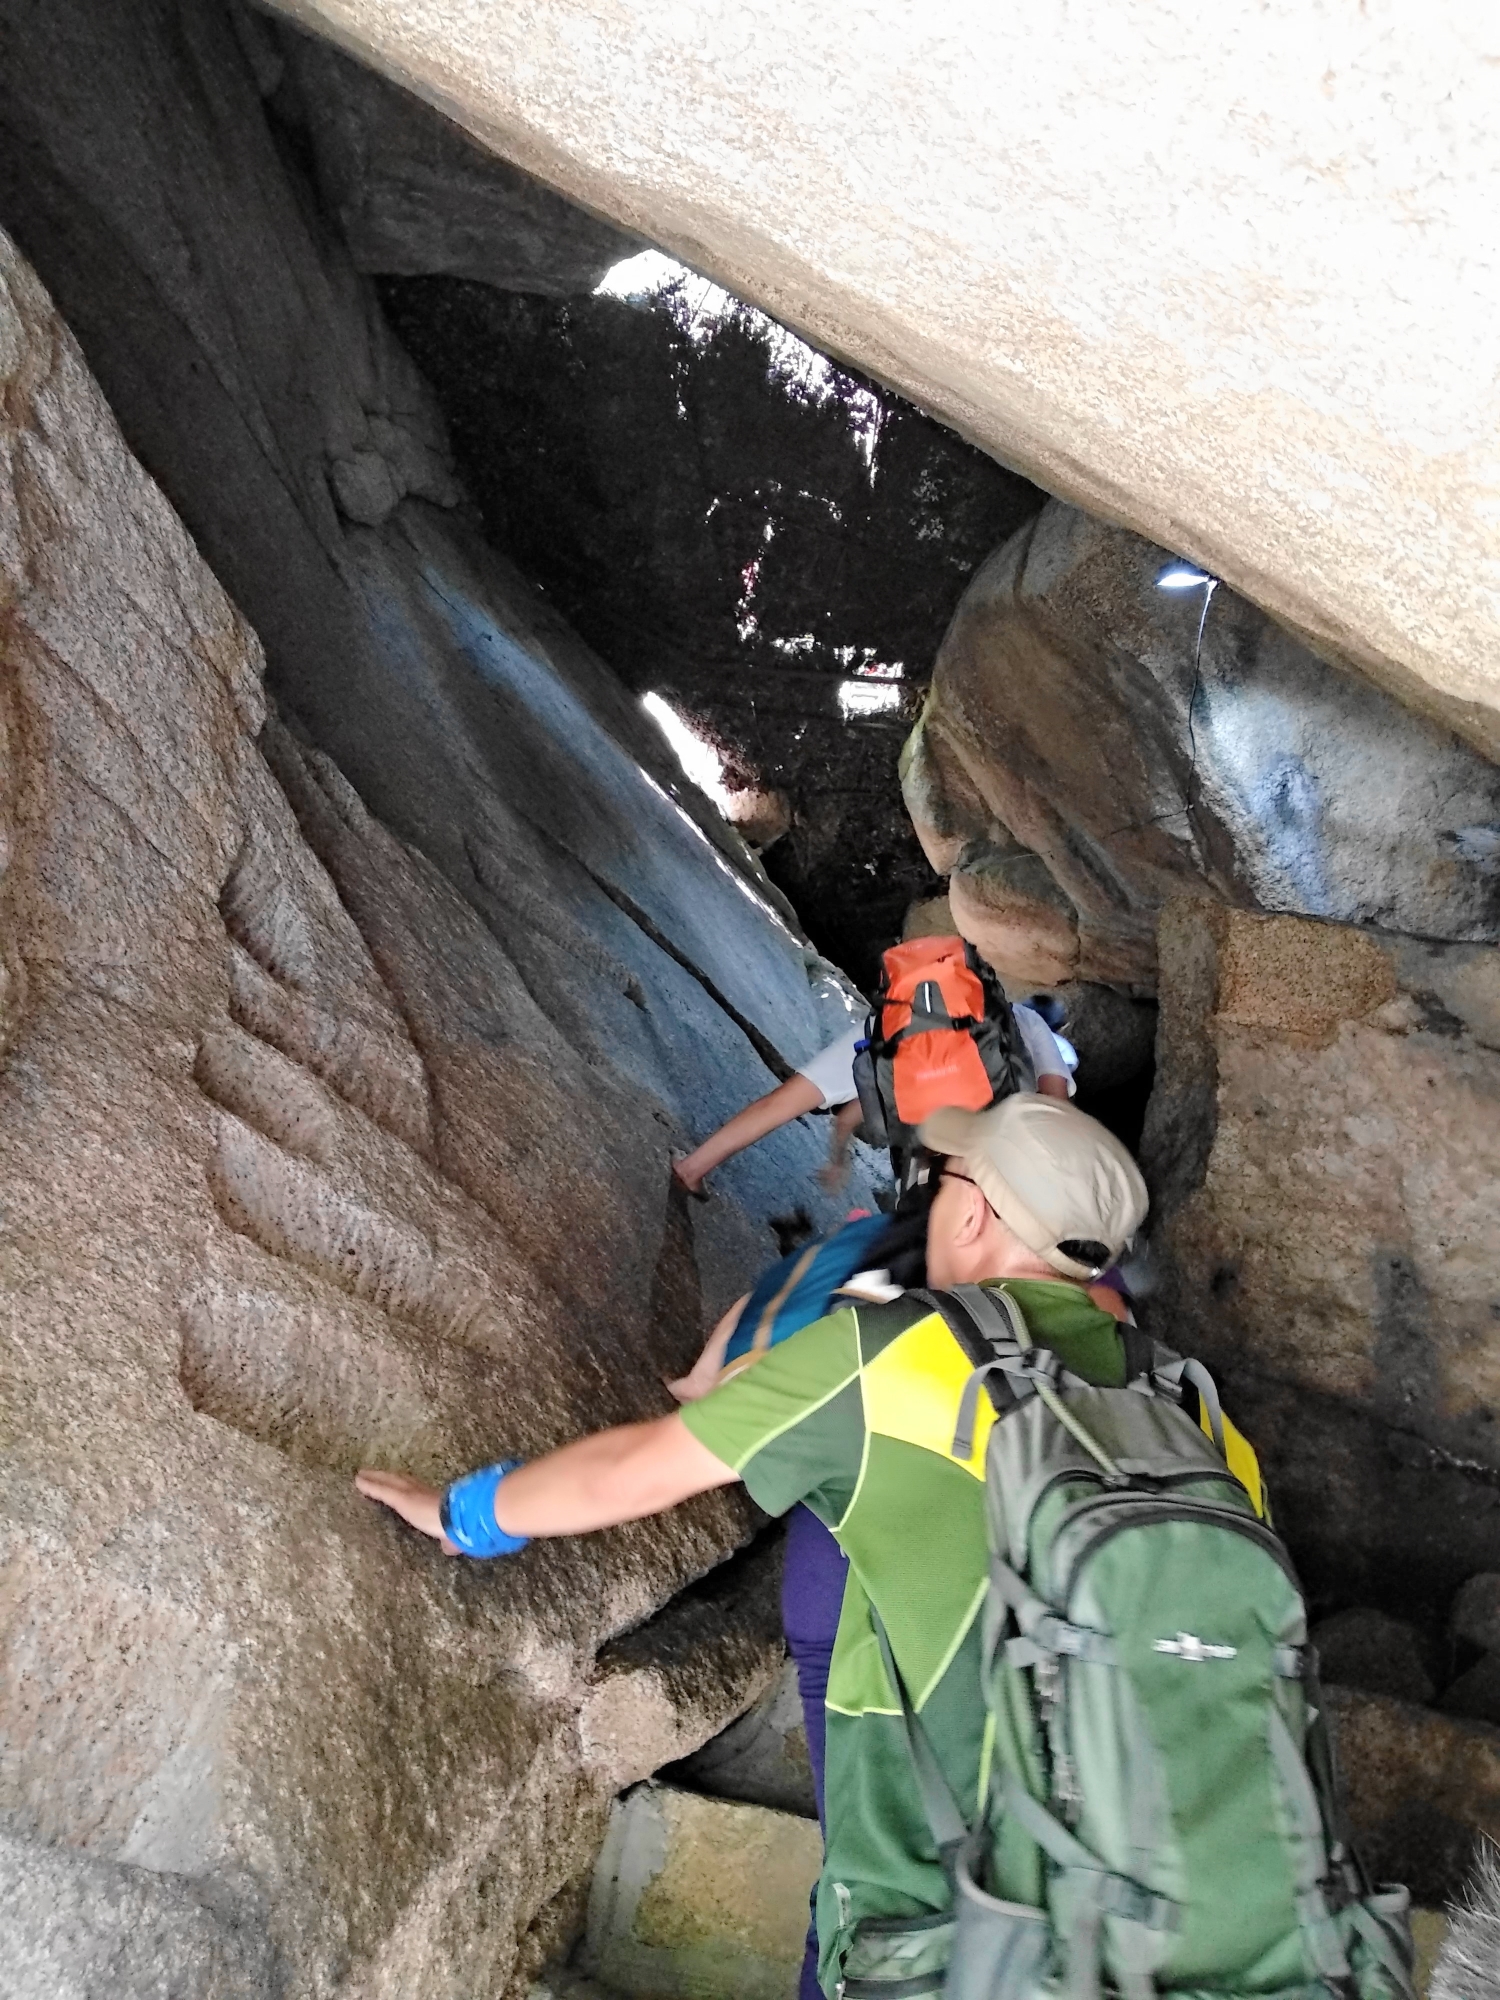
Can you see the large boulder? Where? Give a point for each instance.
(1475, 1612)
(700, 1898)
(1375, 1653)
(1422, 1791)
(347, 1054)
(1237, 290)
(165, 206)
(313, 1159)
(1094, 742)
(1323, 1147)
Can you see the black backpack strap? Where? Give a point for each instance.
(996, 999)
(1140, 1352)
(1001, 1050)
(975, 1343)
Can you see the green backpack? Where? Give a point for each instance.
(1146, 1659)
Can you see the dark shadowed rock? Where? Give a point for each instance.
(761, 1758)
(1475, 1615)
(1073, 713)
(1381, 1655)
(1114, 1035)
(413, 194)
(1323, 1145)
(1476, 1692)
(736, 538)
(1421, 1789)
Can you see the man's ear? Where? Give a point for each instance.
(975, 1216)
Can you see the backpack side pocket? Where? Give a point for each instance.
(898, 1958)
(1001, 1951)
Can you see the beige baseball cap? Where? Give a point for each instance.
(1051, 1173)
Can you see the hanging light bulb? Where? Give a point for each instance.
(1181, 576)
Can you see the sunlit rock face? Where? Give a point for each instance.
(1323, 1147)
(772, 544)
(1107, 727)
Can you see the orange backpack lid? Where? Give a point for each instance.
(943, 960)
(920, 958)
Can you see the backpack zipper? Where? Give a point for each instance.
(1209, 1475)
(1145, 1511)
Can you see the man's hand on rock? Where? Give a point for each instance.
(416, 1504)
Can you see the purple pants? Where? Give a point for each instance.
(812, 1594)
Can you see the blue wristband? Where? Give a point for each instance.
(468, 1513)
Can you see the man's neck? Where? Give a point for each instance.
(995, 1270)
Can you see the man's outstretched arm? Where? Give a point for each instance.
(595, 1482)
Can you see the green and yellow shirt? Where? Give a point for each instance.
(855, 1416)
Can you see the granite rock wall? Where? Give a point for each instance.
(1323, 1146)
(314, 1156)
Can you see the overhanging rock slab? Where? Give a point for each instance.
(1232, 282)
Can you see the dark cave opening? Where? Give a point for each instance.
(740, 527)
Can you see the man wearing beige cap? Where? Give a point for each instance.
(855, 1415)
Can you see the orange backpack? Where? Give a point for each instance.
(942, 1034)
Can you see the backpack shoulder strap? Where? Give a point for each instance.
(962, 1322)
(1139, 1349)
(949, 1827)
(1140, 1352)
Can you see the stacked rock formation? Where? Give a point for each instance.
(1094, 743)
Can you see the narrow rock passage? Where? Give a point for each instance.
(366, 957)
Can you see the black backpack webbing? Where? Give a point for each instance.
(1139, 1348)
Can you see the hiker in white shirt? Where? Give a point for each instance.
(826, 1083)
